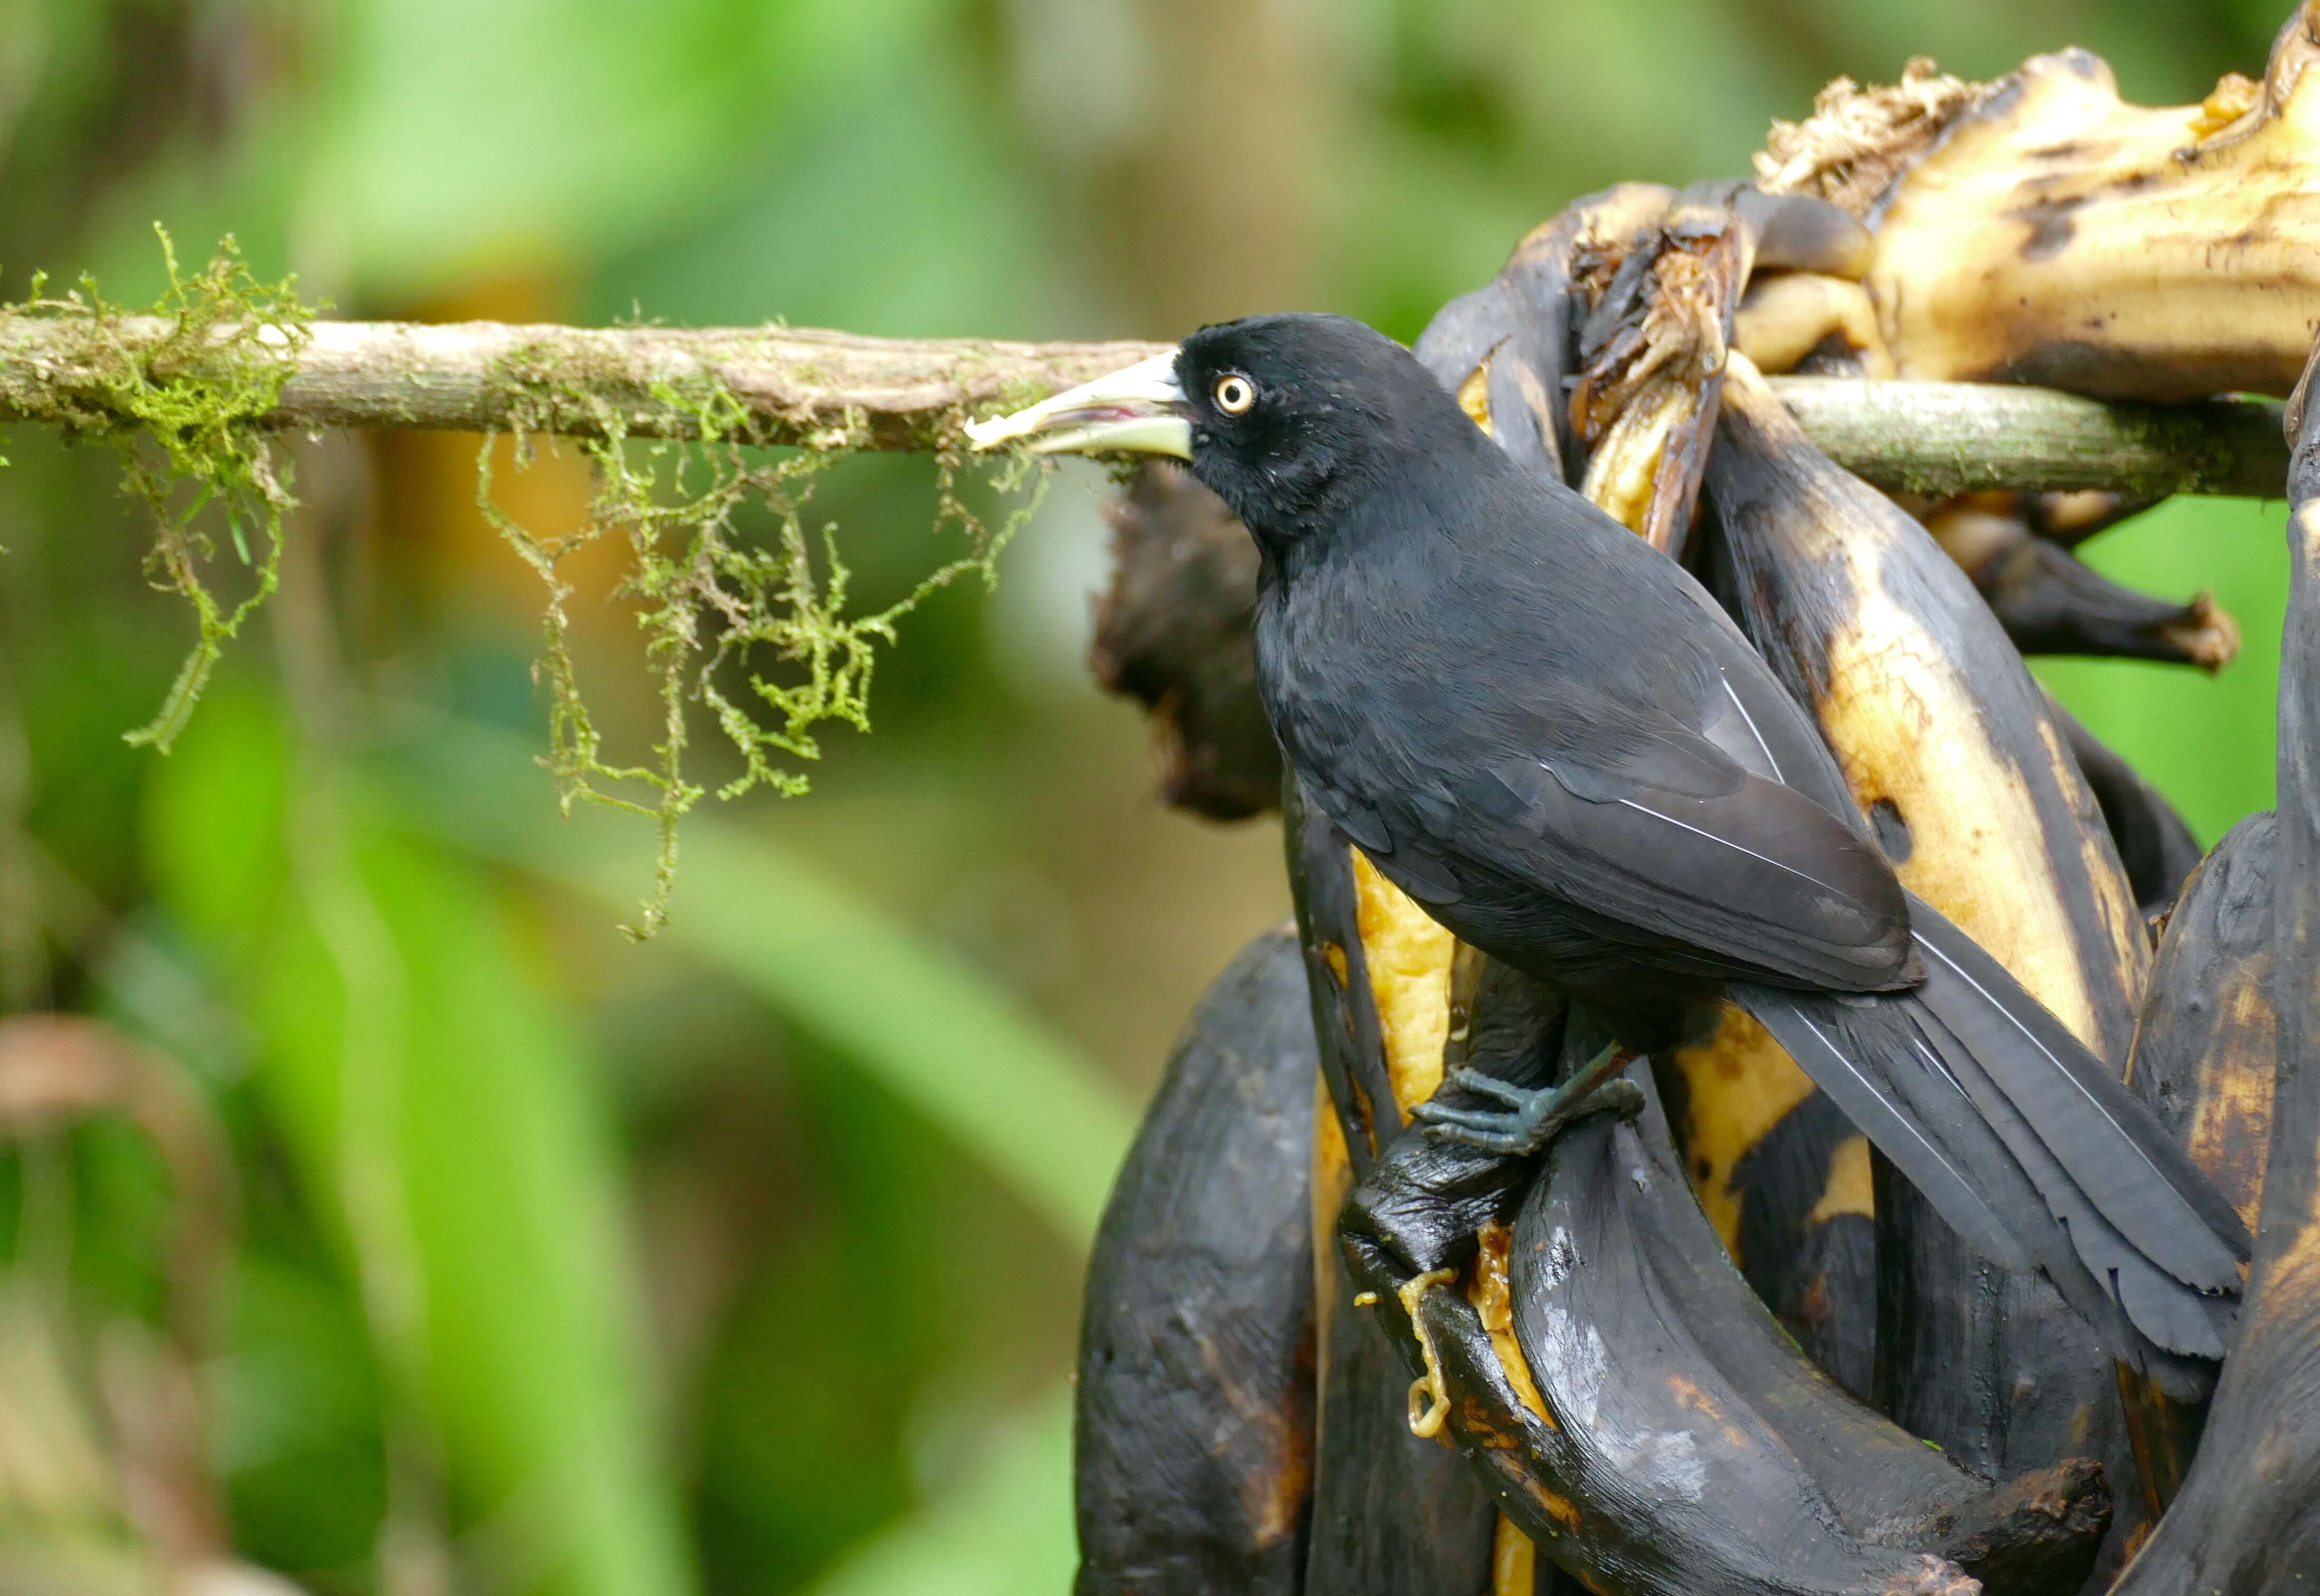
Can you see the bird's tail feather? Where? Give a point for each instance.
(2027, 1146)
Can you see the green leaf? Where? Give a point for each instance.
(407, 1060)
(1005, 1529)
(932, 1031)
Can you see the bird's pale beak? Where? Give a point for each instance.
(1140, 410)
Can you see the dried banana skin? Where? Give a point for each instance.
(1172, 632)
(2050, 602)
(2247, 1522)
(1193, 1457)
(2206, 1052)
(2040, 230)
(1509, 350)
(1968, 784)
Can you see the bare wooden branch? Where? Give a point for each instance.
(1950, 438)
(797, 384)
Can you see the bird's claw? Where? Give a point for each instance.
(1532, 1118)
(1466, 1079)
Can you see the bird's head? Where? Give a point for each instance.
(1283, 417)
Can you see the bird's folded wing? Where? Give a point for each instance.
(1659, 832)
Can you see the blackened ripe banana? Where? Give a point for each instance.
(1392, 1511)
(2247, 1520)
(1641, 1417)
(2050, 602)
(1968, 782)
(1171, 632)
(2206, 1052)
(1193, 1436)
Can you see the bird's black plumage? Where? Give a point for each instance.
(1550, 736)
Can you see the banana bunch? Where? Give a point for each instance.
(1702, 1343)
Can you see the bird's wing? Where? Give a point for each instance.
(1650, 826)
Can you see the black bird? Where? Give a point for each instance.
(1553, 738)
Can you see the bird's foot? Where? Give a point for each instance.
(1533, 1117)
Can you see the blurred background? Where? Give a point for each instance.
(407, 1229)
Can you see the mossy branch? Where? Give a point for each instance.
(684, 432)
(789, 386)
(805, 385)
(684, 429)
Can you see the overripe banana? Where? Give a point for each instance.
(2247, 1522)
(1172, 631)
(2050, 602)
(1193, 1457)
(2155, 844)
(1969, 787)
(1785, 1176)
(1393, 1513)
(2206, 1051)
(1643, 1418)
(2205, 1044)
(2038, 229)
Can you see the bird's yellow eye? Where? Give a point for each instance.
(1235, 394)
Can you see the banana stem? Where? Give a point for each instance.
(800, 384)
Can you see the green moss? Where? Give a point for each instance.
(705, 597)
(185, 412)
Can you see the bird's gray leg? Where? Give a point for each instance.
(1533, 1117)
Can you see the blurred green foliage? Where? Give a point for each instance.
(747, 1261)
